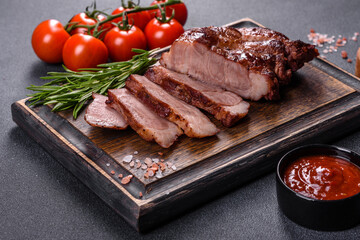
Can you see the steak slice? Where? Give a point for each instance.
(99, 114)
(226, 106)
(144, 121)
(250, 62)
(193, 122)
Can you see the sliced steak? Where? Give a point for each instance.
(144, 121)
(250, 61)
(99, 114)
(187, 117)
(224, 105)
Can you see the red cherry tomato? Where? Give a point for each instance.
(120, 42)
(84, 51)
(83, 19)
(180, 11)
(48, 40)
(139, 19)
(160, 34)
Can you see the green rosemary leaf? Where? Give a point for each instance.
(72, 89)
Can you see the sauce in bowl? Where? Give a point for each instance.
(323, 177)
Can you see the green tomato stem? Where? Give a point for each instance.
(112, 17)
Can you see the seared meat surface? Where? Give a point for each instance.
(98, 114)
(144, 121)
(224, 105)
(252, 62)
(190, 119)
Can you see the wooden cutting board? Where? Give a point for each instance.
(321, 104)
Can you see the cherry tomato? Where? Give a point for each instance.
(84, 51)
(120, 42)
(83, 19)
(180, 11)
(48, 40)
(160, 34)
(139, 19)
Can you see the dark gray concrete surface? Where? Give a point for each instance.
(39, 199)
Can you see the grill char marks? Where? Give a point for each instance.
(141, 119)
(193, 122)
(250, 61)
(224, 105)
(289, 55)
(98, 114)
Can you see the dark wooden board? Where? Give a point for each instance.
(321, 104)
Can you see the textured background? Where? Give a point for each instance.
(39, 199)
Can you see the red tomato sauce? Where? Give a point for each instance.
(323, 177)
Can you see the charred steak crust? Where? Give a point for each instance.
(292, 54)
(261, 53)
(227, 107)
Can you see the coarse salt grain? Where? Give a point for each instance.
(150, 173)
(126, 179)
(136, 152)
(148, 161)
(344, 54)
(143, 166)
(158, 174)
(155, 160)
(108, 164)
(127, 158)
(173, 167)
(155, 167)
(162, 166)
(132, 164)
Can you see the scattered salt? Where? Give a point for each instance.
(127, 158)
(158, 174)
(148, 161)
(173, 167)
(108, 164)
(151, 173)
(132, 164)
(136, 152)
(155, 160)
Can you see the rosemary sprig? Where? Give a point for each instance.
(72, 89)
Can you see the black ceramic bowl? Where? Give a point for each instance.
(326, 215)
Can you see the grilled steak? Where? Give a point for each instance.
(249, 61)
(224, 105)
(144, 121)
(98, 114)
(189, 118)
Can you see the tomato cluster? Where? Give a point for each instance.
(90, 39)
